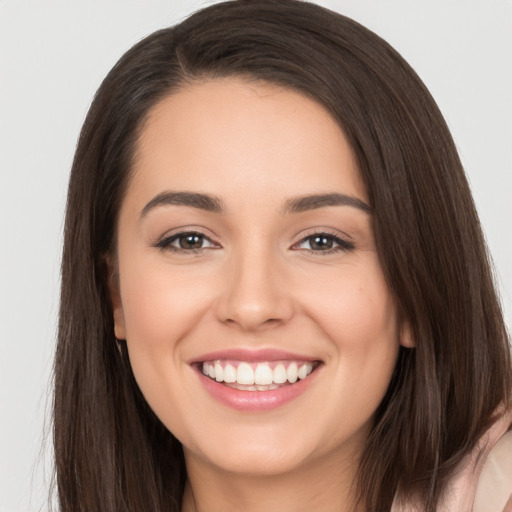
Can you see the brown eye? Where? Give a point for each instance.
(191, 241)
(323, 242)
(320, 243)
(187, 241)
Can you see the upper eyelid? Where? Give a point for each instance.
(304, 235)
(165, 241)
(344, 242)
(176, 232)
(323, 231)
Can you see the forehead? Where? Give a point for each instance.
(230, 137)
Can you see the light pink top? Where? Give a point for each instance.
(484, 480)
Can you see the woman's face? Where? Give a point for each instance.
(246, 252)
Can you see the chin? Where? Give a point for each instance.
(260, 451)
(258, 461)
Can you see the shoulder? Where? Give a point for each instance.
(495, 484)
(483, 480)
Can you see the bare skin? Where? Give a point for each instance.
(308, 488)
(223, 243)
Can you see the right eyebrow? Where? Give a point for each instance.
(193, 199)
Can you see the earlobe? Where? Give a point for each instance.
(119, 329)
(406, 337)
(115, 300)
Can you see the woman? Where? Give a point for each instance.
(275, 291)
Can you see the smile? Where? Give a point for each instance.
(257, 376)
(256, 381)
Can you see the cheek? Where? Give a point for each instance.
(161, 307)
(355, 308)
(358, 314)
(161, 304)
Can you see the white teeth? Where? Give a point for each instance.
(263, 374)
(280, 375)
(244, 374)
(305, 370)
(292, 373)
(267, 388)
(262, 378)
(229, 373)
(219, 372)
(253, 388)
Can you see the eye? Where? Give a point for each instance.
(186, 241)
(323, 242)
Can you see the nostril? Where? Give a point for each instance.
(254, 300)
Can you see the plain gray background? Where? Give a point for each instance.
(53, 56)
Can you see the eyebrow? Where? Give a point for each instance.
(201, 201)
(316, 201)
(214, 204)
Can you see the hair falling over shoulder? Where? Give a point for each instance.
(111, 452)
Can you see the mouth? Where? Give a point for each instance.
(257, 375)
(256, 380)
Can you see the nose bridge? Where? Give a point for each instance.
(255, 295)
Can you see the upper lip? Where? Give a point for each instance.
(262, 355)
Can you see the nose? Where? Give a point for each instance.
(255, 296)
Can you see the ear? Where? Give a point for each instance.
(406, 337)
(115, 299)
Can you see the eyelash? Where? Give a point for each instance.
(341, 244)
(166, 243)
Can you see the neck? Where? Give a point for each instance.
(321, 486)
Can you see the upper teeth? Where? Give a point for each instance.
(257, 373)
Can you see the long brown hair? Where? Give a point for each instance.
(112, 453)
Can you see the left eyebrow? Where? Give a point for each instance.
(316, 201)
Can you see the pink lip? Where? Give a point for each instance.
(238, 354)
(253, 401)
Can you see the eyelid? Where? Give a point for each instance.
(164, 241)
(343, 241)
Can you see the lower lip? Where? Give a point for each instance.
(256, 400)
